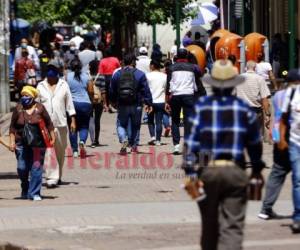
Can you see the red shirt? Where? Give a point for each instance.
(108, 65)
(21, 67)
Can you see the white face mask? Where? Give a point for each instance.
(72, 48)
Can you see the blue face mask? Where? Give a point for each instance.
(26, 101)
(23, 45)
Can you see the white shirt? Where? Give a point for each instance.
(143, 64)
(157, 82)
(253, 90)
(263, 69)
(31, 55)
(77, 40)
(295, 113)
(57, 103)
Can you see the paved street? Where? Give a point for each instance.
(108, 202)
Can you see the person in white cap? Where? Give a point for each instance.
(143, 61)
(223, 126)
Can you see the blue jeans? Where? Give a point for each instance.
(155, 130)
(30, 163)
(83, 114)
(280, 170)
(121, 132)
(166, 120)
(178, 102)
(132, 114)
(294, 151)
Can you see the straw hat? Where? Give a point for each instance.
(224, 75)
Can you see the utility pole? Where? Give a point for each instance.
(153, 34)
(292, 31)
(4, 54)
(177, 20)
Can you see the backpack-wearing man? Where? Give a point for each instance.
(129, 89)
(183, 83)
(291, 119)
(222, 128)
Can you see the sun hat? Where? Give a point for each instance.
(223, 75)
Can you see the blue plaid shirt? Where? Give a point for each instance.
(222, 127)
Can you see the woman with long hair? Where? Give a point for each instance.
(82, 91)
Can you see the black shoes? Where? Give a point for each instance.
(296, 227)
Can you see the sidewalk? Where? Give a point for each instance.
(113, 205)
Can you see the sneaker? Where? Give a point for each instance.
(82, 150)
(167, 131)
(37, 198)
(123, 150)
(157, 143)
(176, 150)
(75, 154)
(95, 144)
(134, 149)
(152, 141)
(296, 227)
(268, 215)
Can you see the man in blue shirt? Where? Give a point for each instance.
(222, 127)
(128, 91)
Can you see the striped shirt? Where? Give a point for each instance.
(253, 90)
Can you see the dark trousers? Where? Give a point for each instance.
(155, 129)
(280, 169)
(223, 210)
(98, 110)
(178, 102)
(133, 114)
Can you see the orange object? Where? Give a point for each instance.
(254, 45)
(199, 55)
(45, 133)
(220, 33)
(229, 45)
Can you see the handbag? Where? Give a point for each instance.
(97, 93)
(32, 136)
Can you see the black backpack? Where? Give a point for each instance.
(127, 89)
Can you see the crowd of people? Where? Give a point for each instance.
(222, 113)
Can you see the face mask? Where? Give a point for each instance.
(72, 48)
(23, 45)
(26, 101)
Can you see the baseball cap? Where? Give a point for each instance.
(293, 75)
(143, 50)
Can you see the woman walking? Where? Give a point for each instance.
(28, 143)
(81, 91)
(157, 83)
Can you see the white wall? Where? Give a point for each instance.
(165, 34)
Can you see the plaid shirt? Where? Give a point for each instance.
(222, 127)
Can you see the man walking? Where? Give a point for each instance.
(143, 61)
(183, 82)
(290, 126)
(55, 95)
(129, 89)
(281, 162)
(255, 92)
(222, 127)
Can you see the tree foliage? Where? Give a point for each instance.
(99, 11)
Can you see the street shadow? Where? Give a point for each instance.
(66, 183)
(103, 187)
(49, 197)
(9, 176)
